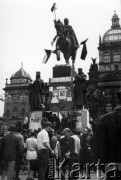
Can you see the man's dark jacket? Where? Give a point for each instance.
(10, 147)
(67, 145)
(108, 137)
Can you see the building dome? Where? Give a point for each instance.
(21, 74)
(113, 34)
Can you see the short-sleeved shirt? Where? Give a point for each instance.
(42, 137)
(31, 144)
(77, 143)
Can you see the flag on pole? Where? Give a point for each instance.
(53, 8)
(47, 56)
(84, 50)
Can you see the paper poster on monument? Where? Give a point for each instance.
(35, 120)
(82, 120)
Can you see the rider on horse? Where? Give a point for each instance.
(66, 40)
(70, 33)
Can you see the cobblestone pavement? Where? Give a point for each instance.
(93, 176)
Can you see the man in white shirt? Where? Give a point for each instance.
(43, 150)
(77, 145)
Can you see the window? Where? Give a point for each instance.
(101, 68)
(22, 112)
(108, 107)
(107, 68)
(116, 57)
(111, 37)
(16, 98)
(15, 112)
(8, 99)
(106, 59)
(23, 98)
(115, 37)
(107, 92)
(115, 20)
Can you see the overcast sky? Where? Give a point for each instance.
(27, 28)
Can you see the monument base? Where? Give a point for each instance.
(82, 120)
(35, 120)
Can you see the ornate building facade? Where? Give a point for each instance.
(17, 95)
(110, 64)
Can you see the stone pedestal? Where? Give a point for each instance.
(82, 119)
(35, 120)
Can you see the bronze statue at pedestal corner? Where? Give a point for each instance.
(35, 97)
(79, 90)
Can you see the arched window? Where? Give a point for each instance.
(23, 98)
(22, 112)
(116, 58)
(15, 112)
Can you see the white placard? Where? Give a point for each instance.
(50, 89)
(61, 79)
(35, 120)
(82, 120)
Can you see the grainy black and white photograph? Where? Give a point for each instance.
(60, 89)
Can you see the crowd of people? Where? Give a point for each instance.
(44, 152)
(24, 150)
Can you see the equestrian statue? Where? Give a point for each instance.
(66, 41)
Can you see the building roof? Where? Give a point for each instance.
(113, 34)
(21, 74)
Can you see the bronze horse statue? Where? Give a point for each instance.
(64, 43)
